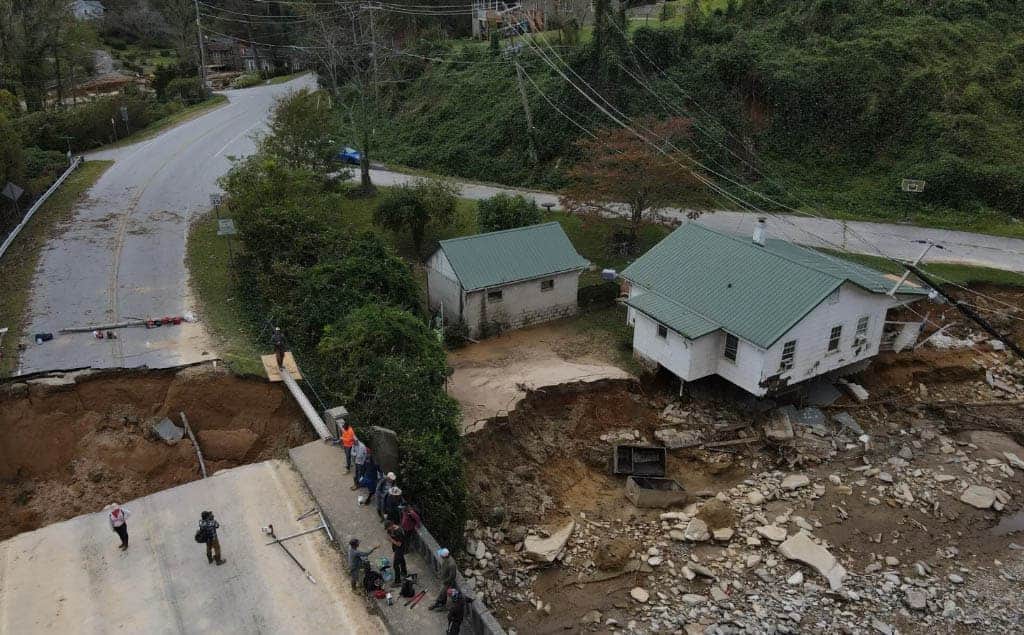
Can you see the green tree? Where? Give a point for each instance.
(11, 164)
(354, 348)
(414, 207)
(300, 131)
(367, 272)
(504, 211)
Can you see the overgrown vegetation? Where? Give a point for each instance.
(352, 310)
(822, 105)
(503, 211)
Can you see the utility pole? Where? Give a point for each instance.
(202, 50)
(969, 312)
(534, 159)
(906, 274)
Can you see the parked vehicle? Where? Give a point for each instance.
(349, 155)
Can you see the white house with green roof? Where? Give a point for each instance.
(761, 313)
(505, 279)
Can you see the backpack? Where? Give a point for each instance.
(410, 520)
(408, 589)
(200, 535)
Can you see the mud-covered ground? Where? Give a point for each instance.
(72, 445)
(548, 462)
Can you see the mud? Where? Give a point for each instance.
(71, 445)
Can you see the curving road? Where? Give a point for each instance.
(123, 254)
(876, 239)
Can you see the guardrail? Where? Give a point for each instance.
(39, 203)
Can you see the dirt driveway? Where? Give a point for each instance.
(490, 377)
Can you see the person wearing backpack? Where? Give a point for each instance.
(356, 560)
(207, 533)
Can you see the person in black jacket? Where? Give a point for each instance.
(209, 526)
(457, 612)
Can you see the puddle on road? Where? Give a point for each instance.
(1010, 525)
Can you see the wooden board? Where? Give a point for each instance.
(270, 365)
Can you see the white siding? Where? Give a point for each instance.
(672, 352)
(443, 287)
(692, 359)
(812, 335)
(745, 372)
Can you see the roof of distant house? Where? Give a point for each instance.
(698, 280)
(511, 255)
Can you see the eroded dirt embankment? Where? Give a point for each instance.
(70, 445)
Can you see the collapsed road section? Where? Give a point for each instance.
(70, 443)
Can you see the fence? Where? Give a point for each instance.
(39, 203)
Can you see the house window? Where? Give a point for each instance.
(732, 345)
(662, 331)
(861, 334)
(834, 337)
(494, 296)
(788, 353)
(547, 285)
(833, 297)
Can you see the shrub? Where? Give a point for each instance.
(42, 167)
(189, 90)
(413, 207)
(247, 80)
(88, 124)
(504, 211)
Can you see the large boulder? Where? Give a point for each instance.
(548, 549)
(978, 496)
(801, 548)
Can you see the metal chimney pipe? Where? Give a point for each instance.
(759, 231)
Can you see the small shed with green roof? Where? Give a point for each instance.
(760, 312)
(505, 279)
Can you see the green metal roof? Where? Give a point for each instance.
(701, 276)
(511, 255)
(672, 314)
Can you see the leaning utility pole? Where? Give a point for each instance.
(202, 50)
(969, 312)
(534, 159)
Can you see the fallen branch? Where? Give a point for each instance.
(719, 444)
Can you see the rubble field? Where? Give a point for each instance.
(73, 443)
(898, 514)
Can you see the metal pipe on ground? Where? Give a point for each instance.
(303, 401)
(195, 444)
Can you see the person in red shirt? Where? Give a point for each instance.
(348, 439)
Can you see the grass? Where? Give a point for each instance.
(960, 274)
(281, 79)
(18, 266)
(218, 300)
(178, 118)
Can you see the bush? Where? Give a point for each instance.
(42, 167)
(189, 90)
(413, 207)
(247, 80)
(597, 295)
(503, 211)
(88, 124)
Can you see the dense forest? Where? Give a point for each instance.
(816, 103)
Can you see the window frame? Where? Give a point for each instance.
(730, 338)
(783, 365)
(494, 295)
(662, 331)
(860, 334)
(550, 282)
(836, 333)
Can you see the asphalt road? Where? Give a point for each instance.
(894, 241)
(123, 255)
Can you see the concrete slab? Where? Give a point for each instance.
(322, 467)
(70, 577)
